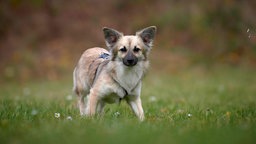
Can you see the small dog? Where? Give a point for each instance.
(110, 76)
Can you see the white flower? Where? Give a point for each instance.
(34, 112)
(248, 30)
(69, 97)
(69, 118)
(152, 99)
(116, 114)
(189, 115)
(57, 115)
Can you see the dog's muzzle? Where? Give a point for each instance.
(130, 59)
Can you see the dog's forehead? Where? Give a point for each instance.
(130, 40)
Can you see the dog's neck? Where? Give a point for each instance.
(128, 77)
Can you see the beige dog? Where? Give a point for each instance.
(110, 76)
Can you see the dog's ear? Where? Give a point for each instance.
(147, 35)
(111, 36)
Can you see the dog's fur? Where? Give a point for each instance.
(108, 79)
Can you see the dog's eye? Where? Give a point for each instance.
(136, 49)
(123, 49)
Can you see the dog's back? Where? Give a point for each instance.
(86, 69)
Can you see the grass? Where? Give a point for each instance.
(216, 105)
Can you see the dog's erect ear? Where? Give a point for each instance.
(147, 35)
(111, 36)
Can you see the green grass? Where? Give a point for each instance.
(217, 105)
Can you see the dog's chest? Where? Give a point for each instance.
(128, 78)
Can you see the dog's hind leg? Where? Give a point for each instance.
(81, 100)
(81, 104)
(92, 103)
(80, 89)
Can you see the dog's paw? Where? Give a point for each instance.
(82, 113)
(141, 118)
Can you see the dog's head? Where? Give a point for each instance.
(130, 49)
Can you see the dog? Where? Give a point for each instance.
(109, 76)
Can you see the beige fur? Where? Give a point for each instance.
(118, 77)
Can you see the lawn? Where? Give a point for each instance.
(198, 105)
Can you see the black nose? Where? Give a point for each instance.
(130, 61)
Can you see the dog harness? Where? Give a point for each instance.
(104, 56)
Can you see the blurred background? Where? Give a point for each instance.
(43, 39)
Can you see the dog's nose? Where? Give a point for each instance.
(130, 61)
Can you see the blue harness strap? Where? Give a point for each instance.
(104, 56)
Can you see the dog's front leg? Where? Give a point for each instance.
(136, 106)
(92, 103)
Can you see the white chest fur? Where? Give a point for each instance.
(129, 77)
